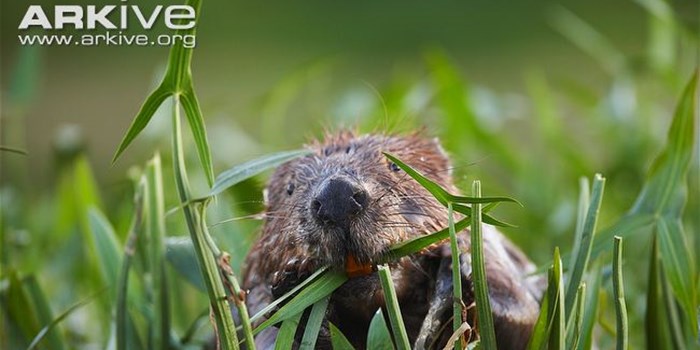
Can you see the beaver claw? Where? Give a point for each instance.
(294, 272)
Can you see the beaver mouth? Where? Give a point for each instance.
(355, 269)
(350, 248)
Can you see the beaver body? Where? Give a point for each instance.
(346, 200)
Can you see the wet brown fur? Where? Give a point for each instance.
(292, 244)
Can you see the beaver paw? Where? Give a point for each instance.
(292, 274)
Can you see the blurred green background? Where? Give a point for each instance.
(526, 96)
(246, 50)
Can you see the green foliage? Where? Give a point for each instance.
(313, 325)
(481, 288)
(398, 328)
(26, 307)
(488, 337)
(105, 246)
(574, 329)
(378, 336)
(314, 288)
(619, 294)
(338, 340)
(206, 259)
(177, 83)
(549, 331)
(249, 169)
(457, 303)
(584, 234)
(145, 285)
(285, 336)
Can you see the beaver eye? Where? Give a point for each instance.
(290, 188)
(394, 167)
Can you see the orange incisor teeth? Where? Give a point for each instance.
(354, 269)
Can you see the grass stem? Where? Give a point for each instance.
(619, 293)
(481, 290)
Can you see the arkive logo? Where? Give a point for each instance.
(106, 25)
(106, 17)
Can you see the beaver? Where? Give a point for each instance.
(346, 200)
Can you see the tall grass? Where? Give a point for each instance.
(140, 288)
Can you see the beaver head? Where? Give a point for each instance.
(347, 200)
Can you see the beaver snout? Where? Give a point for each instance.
(337, 201)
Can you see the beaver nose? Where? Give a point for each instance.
(337, 201)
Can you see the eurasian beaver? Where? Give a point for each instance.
(346, 200)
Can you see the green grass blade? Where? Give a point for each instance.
(619, 294)
(190, 105)
(574, 328)
(665, 189)
(590, 314)
(18, 308)
(44, 316)
(177, 83)
(417, 244)
(392, 305)
(67, 212)
(488, 219)
(180, 254)
(678, 266)
(540, 332)
(457, 305)
(662, 199)
(50, 328)
(378, 336)
(630, 224)
(85, 191)
(550, 330)
(106, 246)
(251, 168)
(681, 341)
(438, 192)
(207, 264)
(659, 328)
(313, 325)
(125, 335)
(178, 74)
(557, 337)
(27, 314)
(315, 291)
(221, 308)
(159, 329)
(231, 282)
(485, 218)
(149, 107)
(580, 261)
(277, 302)
(338, 339)
(584, 200)
(487, 333)
(481, 200)
(285, 336)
